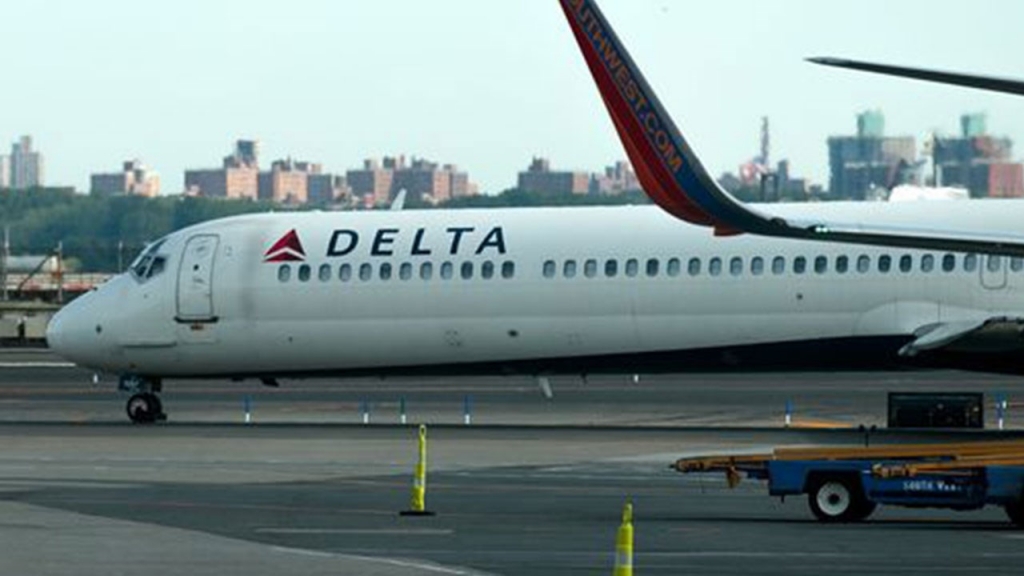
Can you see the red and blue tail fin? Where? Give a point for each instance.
(669, 172)
(673, 178)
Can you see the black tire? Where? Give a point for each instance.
(1015, 512)
(838, 499)
(144, 408)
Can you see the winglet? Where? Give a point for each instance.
(667, 168)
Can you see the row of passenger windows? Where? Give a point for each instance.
(758, 266)
(386, 271)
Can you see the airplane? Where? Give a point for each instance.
(697, 278)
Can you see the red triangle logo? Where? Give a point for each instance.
(287, 249)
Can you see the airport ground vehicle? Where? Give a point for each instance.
(846, 484)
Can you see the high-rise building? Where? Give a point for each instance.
(287, 181)
(379, 182)
(869, 161)
(238, 178)
(617, 179)
(5, 171)
(134, 179)
(26, 165)
(977, 161)
(539, 177)
(325, 189)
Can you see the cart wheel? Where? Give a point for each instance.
(838, 499)
(1015, 512)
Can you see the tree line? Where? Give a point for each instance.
(101, 233)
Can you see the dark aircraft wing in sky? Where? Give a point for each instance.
(989, 83)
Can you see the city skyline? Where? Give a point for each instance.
(407, 82)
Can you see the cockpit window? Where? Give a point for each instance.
(150, 263)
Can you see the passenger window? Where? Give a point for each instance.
(652, 267)
(884, 263)
(325, 272)
(842, 264)
(736, 266)
(927, 263)
(447, 270)
(820, 265)
(405, 271)
(365, 272)
(345, 272)
(508, 269)
(385, 271)
(715, 267)
(569, 269)
(948, 263)
(611, 268)
(590, 268)
(906, 263)
(426, 271)
(467, 270)
(971, 262)
(778, 265)
(757, 266)
(284, 273)
(632, 267)
(994, 263)
(549, 269)
(1016, 264)
(487, 270)
(694, 267)
(305, 272)
(799, 265)
(863, 263)
(674, 267)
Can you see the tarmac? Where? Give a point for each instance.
(531, 486)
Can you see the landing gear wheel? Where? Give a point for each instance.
(145, 408)
(839, 499)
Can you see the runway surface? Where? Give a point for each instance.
(533, 486)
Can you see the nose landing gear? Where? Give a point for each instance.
(144, 406)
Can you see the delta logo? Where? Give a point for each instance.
(287, 249)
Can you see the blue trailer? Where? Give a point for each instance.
(846, 485)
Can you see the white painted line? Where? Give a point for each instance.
(36, 365)
(436, 569)
(357, 531)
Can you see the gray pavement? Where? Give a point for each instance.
(532, 487)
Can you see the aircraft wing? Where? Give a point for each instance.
(989, 83)
(994, 335)
(673, 177)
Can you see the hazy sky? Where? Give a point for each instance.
(483, 83)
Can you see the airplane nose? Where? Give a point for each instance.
(55, 332)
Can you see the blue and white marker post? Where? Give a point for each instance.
(789, 414)
(1001, 406)
(364, 408)
(247, 407)
(467, 410)
(402, 419)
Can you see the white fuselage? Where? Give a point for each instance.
(218, 308)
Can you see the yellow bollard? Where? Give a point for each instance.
(624, 543)
(419, 481)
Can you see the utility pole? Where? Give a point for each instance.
(60, 272)
(5, 257)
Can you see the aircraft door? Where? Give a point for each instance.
(195, 280)
(993, 272)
